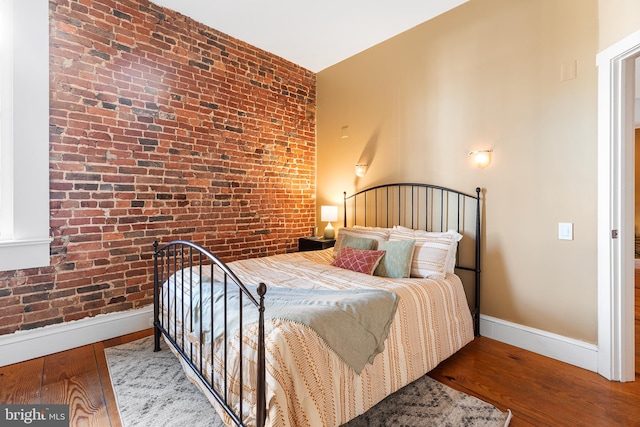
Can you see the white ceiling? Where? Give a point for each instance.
(312, 34)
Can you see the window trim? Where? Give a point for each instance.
(25, 135)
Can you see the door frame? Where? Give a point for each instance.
(616, 196)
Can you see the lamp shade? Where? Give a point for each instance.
(328, 213)
(481, 158)
(361, 169)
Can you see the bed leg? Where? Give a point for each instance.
(156, 337)
(156, 299)
(476, 323)
(261, 404)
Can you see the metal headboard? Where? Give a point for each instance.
(431, 208)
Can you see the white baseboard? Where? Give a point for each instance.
(568, 350)
(26, 345)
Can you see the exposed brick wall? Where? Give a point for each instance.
(161, 128)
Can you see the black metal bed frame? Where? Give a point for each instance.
(406, 204)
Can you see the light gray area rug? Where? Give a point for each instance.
(152, 390)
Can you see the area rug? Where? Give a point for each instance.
(151, 389)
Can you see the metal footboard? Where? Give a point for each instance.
(180, 269)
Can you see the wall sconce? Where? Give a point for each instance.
(482, 158)
(329, 214)
(361, 169)
(344, 132)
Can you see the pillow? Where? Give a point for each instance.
(358, 242)
(375, 233)
(435, 252)
(371, 229)
(451, 235)
(359, 260)
(396, 262)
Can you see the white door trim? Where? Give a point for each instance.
(616, 358)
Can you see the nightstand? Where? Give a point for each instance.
(314, 243)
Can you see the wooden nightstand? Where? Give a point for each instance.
(314, 243)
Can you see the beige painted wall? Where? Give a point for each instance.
(617, 19)
(486, 75)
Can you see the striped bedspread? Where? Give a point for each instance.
(307, 383)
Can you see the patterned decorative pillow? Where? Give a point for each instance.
(375, 233)
(396, 262)
(359, 260)
(435, 252)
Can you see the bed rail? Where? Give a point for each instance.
(181, 263)
(431, 208)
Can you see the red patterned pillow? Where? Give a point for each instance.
(360, 260)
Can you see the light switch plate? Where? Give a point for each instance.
(565, 231)
(568, 70)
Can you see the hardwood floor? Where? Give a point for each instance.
(637, 300)
(538, 390)
(78, 377)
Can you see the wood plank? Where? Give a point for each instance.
(127, 338)
(107, 387)
(637, 323)
(72, 377)
(20, 383)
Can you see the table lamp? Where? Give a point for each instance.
(329, 214)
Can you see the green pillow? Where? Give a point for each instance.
(396, 262)
(358, 242)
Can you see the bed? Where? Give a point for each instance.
(317, 338)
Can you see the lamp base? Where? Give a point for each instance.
(329, 232)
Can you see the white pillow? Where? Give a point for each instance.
(435, 252)
(375, 233)
(451, 235)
